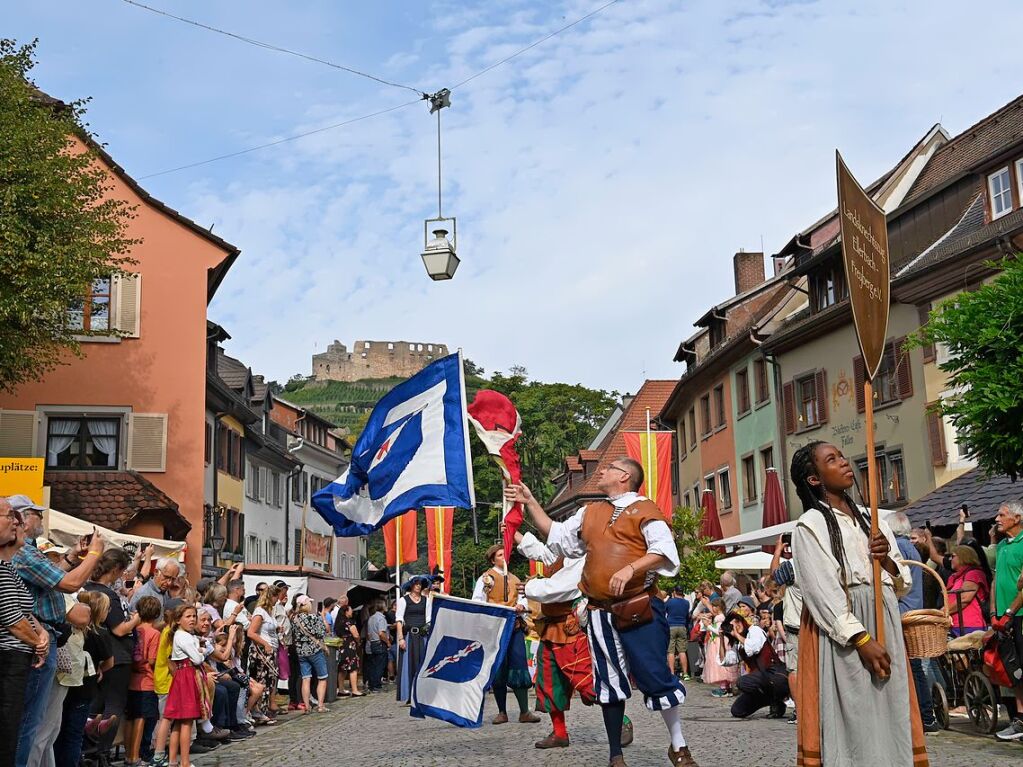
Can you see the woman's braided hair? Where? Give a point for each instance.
(802, 468)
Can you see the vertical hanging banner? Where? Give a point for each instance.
(536, 568)
(400, 539)
(864, 231)
(653, 451)
(438, 538)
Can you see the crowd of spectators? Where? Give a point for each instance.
(104, 650)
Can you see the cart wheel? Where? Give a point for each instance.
(939, 702)
(981, 701)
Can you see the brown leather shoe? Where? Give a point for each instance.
(500, 719)
(552, 741)
(618, 761)
(627, 734)
(681, 758)
(529, 718)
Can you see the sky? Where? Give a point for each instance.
(601, 181)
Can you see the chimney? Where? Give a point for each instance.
(749, 270)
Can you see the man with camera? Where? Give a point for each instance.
(627, 544)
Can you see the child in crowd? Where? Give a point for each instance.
(184, 704)
(713, 670)
(162, 675)
(142, 711)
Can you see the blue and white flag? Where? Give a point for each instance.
(414, 452)
(467, 643)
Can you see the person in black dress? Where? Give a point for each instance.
(410, 620)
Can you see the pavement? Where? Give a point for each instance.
(376, 731)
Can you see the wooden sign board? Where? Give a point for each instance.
(867, 270)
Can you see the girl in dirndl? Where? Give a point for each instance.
(714, 671)
(184, 701)
(855, 697)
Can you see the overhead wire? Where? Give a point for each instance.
(422, 95)
(271, 47)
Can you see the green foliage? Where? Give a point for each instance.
(697, 561)
(982, 331)
(58, 231)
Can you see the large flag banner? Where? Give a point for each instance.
(438, 540)
(400, 539)
(465, 648)
(498, 425)
(536, 568)
(653, 451)
(413, 452)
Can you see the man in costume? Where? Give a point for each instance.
(499, 586)
(626, 543)
(563, 663)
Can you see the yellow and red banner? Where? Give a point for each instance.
(536, 568)
(400, 539)
(653, 451)
(438, 538)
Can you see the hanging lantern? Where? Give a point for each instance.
(439, 255)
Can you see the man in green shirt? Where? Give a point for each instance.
(1008, 596)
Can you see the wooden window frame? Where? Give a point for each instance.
(693, 442)
(705, 416)
(743, 401)
(761, 382)
(87, 302)
(763, 459)
(81, 438)
(793, 401)
(1007, 190)
(749, 479)
(720, 412)
(725, 489)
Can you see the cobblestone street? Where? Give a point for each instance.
(376, 732)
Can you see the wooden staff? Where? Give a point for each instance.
(868, 399)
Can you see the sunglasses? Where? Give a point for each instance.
(16, 516)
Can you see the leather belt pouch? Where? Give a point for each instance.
(632, 613)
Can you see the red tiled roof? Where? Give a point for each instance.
(652, 395)
(111, 498)
(978, 142)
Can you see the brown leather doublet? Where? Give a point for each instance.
(610, 547)
(505, 590)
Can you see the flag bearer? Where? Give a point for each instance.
(499, 586)
(627, 544)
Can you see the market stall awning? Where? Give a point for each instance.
(769, 535)
(751, 561)
(360, 592)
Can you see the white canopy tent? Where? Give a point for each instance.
(748, 562)
(767, 536)
(65, 530)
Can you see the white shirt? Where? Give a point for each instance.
(756, 638)
(817, 571)
(186, 646)
(243, 616)
(399, 609)
(564, 540)
(479, 594)
(563, 586)
(268, 629)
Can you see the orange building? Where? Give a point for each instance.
(122, 427)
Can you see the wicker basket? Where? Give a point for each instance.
(926, 631)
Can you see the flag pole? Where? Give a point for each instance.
(397, 556)
(649, 454)
(868, 399)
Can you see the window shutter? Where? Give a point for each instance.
(788, 395)
(903, 369)
(925, 315)
(936, 435)
(128, 292)
(17, 433)
(821, 382)
(859, 378)
(147, 441)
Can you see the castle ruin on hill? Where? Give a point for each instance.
(374, 359)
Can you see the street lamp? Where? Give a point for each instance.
(439, 255)
(217, 542)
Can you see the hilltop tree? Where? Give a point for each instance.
(59, 232)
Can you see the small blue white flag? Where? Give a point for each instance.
(465, 649)
(414, 452)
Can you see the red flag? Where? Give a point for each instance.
(438, 537)
(652, 450)
(402, 528)
(498, 425)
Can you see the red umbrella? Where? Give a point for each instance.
(774, 503)
(711, 527)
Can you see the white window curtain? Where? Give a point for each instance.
(104, 437)
(63, 432)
